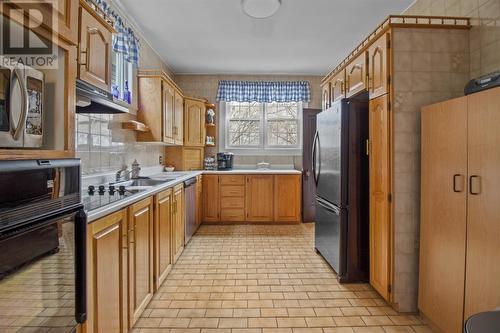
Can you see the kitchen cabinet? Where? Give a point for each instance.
(232, 198)
(287, 198)
(185, 158)
(460, 211)
(199, 200)
(178, 223)
(325, 96)
(380, 187)
(443, 220)
(178, 128)
(67, 17)
(162, 236)
(356, 75)
(140, 257)
(94, 48)
(378, 66)
(337, 86)
(259, 198)
(158, 107)
(194, 122)
(107, 274)
(211, 198)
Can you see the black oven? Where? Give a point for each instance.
(42, 246)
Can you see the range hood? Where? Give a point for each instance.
(90, 99)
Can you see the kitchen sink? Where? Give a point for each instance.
(141, 182)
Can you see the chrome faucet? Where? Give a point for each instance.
(126, 174)
(136, 168)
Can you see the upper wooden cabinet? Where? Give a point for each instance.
(159, 104)
(162, 236)
(380, 187)
(194, 122)
(107, 274)
(287, 198)
(378, 66)
(260, 198)
(94, 48)
(355, 74)
(325, 96)
(178, 127)
(337, 87)
(140, 257)
(211, 198)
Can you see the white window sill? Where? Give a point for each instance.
(263, 152)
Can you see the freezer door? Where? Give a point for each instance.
(328, 153)
(328, 235)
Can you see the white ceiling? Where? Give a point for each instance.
(216, 37)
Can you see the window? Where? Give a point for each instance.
(272, 126)
(122, 72)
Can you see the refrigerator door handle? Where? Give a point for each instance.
(313, 157)
(327, 206)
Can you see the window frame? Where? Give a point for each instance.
(125, 71)
(264, 148)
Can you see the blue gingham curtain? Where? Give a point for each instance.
(124, 41)
(264, 92)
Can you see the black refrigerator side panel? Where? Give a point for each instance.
(358, 194)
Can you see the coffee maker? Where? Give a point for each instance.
(225, 161)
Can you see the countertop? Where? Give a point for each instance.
(95, 214)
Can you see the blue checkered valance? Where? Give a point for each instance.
(264, 92)
(124, 41)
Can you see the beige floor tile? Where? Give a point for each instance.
(204, 323)
(291, 322)
(233, 323)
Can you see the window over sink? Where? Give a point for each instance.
(271, 128)
(122, 77)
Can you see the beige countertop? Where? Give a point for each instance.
(254, 172)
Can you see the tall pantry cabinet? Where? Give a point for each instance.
(460, 214)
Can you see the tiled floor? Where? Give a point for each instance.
(264, 279)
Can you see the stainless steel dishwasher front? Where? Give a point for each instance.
(190, 208)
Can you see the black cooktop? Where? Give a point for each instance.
(98, 196)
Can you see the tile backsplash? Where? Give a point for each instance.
(104, 146)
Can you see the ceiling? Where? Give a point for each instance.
(215, 37)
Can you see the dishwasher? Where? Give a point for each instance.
(190, 208)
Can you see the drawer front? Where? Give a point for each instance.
(232, 203)
(232, 191)
(232, 179)
(232, 215)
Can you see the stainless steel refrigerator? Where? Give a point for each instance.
(340, 170)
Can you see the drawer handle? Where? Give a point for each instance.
(475, 180)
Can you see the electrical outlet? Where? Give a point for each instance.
(160, 160)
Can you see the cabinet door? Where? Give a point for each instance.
(378, 67)
(168, 113)
(199, 200)
(107, 274)
(194, 123)
(94, 51)
(140, 237)
(356, 75)
(325, 96)
(443, 213)
(259, 198)
(287, 198)
(162, 236)
(482, 292)
(67, 12)
(337, 87)
(193, 158)
(211, 198)
(179, 119)
(380, 225)
(178, 221)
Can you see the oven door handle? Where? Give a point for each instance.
(81, 266)
(15, 132)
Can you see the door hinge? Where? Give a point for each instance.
(388, 43)
(388, 105)
(389, 197)
(389, 288)
(388, 80)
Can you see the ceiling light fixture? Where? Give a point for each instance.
(260, 9)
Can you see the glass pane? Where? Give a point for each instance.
(282, 133)
(239, 110)
(244, 132)
(282, 110)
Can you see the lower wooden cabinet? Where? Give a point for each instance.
(252, 198)
(162, 237)
(178, 223)
(211, 198)
(107, 292)
(140, 257)
(259, 198)
(287, 198)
